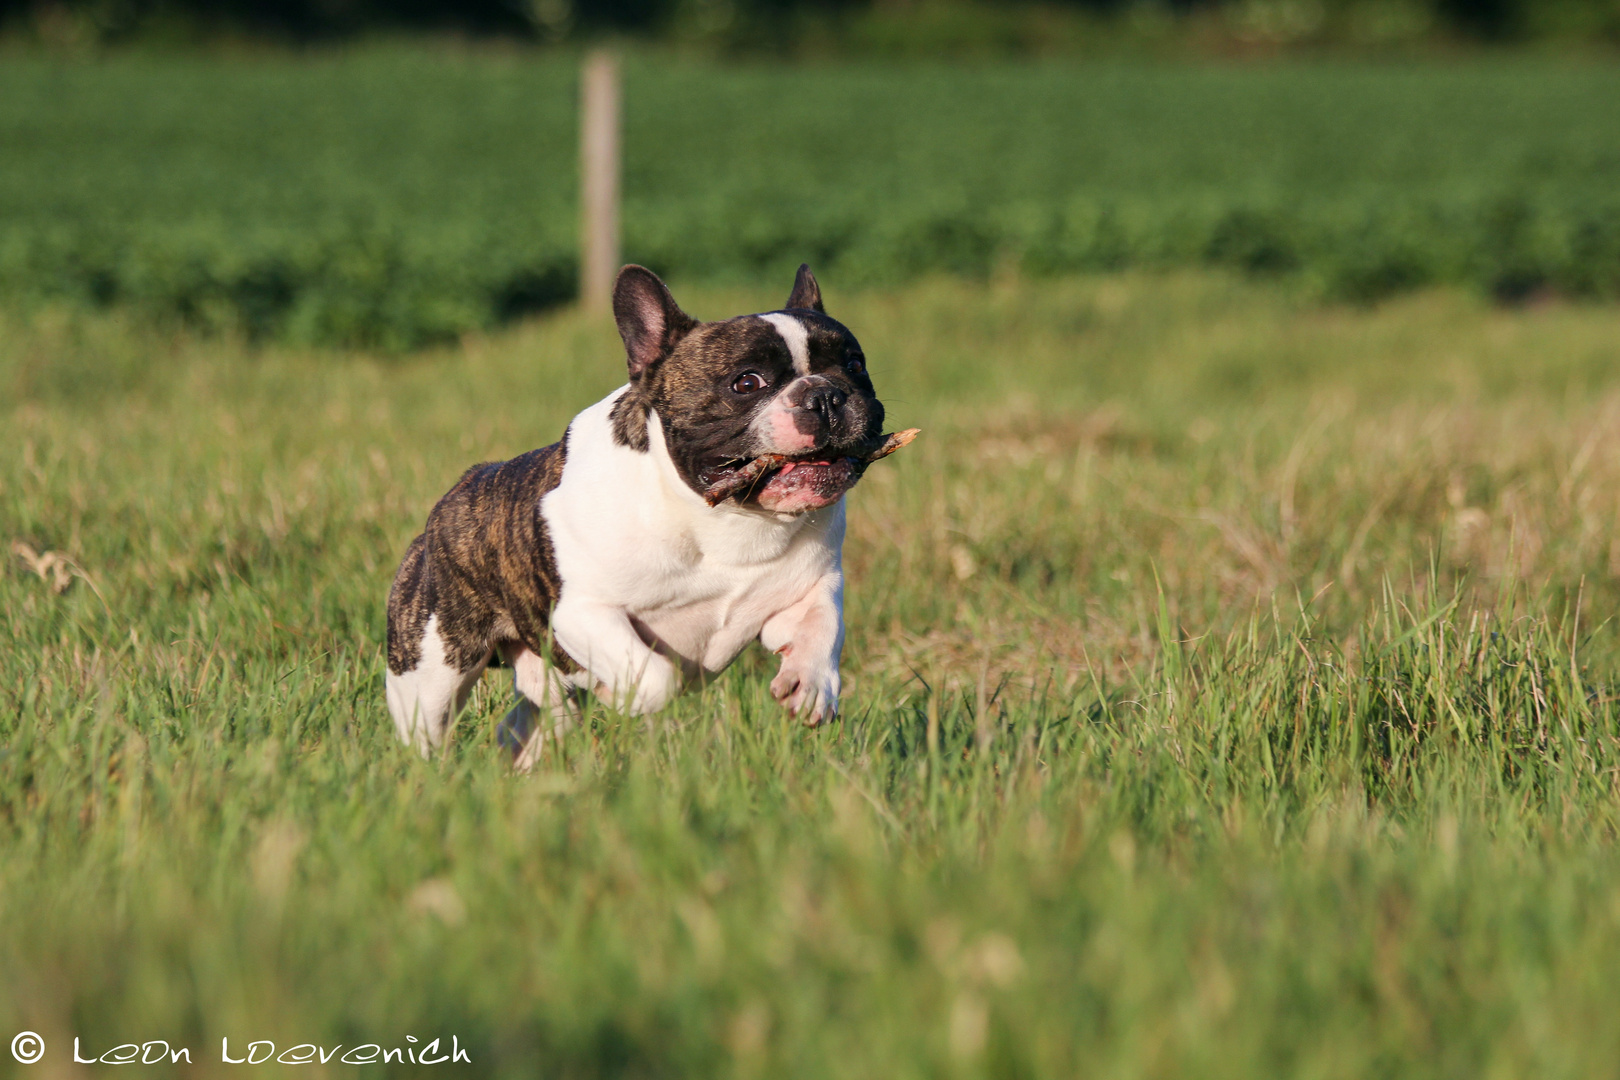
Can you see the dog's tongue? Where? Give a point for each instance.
(789, 466)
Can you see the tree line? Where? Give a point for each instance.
(1014, 25)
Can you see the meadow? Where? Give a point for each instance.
(390, 197)
(1230, 692)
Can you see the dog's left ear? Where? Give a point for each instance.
(650, 321)
(806, 294)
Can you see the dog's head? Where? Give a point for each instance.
(790, 383)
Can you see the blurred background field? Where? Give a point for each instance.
(1231, 678)
(393, 197)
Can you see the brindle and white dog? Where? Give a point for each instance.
(597, 563)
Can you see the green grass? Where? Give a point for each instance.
(388, 197)
(1230, 693)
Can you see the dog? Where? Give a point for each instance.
(605, 563)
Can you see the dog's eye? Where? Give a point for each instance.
(855, 365)
(750, 382)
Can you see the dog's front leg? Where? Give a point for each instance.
(809, 637)
(623, 667)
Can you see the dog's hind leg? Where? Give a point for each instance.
(424, 701)
(544, 711)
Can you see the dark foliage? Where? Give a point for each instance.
(759, 21)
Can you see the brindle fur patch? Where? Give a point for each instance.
(484, 565)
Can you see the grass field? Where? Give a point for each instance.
(1230, 692)
(389, 197)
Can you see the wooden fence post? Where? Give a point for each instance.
(599, 180)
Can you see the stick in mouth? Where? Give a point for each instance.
(744, 479)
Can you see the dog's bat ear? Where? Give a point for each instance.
(650, 321)
(806, 294)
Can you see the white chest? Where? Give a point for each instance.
(711, 612)
(627, 531)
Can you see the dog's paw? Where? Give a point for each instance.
(808, 691)
(647, 691)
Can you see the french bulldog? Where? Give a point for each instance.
(693, 510)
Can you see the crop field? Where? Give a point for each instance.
(388, 198)
(1231, 692)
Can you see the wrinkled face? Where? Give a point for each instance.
(791, 383)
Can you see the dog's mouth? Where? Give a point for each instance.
(792, 485)
(786, 485)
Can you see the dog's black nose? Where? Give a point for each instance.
(824, 400)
